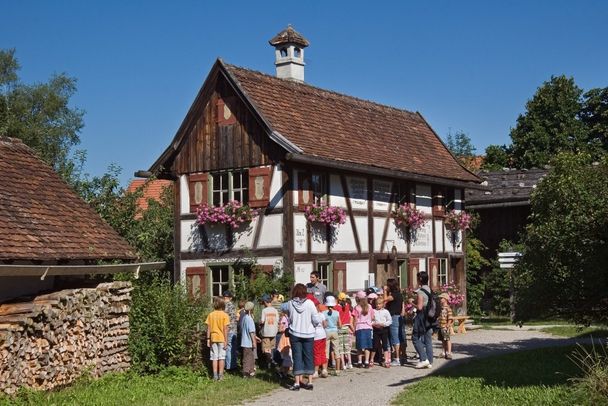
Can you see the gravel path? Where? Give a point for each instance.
(379, 385)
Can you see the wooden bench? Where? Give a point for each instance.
(461, 324)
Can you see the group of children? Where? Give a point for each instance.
(367, 324)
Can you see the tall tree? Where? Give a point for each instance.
(550, 125)
(460, 145)
(563, 268)
(40, 114)
(594, 114)
(497, 157)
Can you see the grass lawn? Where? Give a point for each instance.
(174, 386)
(571, 331)
(534, 377)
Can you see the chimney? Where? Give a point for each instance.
(289, 54)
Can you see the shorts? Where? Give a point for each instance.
(396, 332)
(332, 338)
(318, 350)
(444, 334)
(363, 339)
(344, 346)
(268, 344)
(217, 352)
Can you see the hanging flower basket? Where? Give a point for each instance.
(329, 215)
(457, 221)
(408, 216)
(232, 213)
(456, 298)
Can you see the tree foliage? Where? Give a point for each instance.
(475, 264)
(39, 114)
(460, 144)
(559, 118)
(497, 157)
(563, 269)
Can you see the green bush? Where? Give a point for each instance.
(592, 387)
(252, 287)
(164, 325)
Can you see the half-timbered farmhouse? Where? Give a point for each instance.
(280, 145)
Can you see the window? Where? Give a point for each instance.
(442, 272)
(297, 52)
(402, 274)
(228, 186)
(324, 269)
(319, 187)
(404, 193)
(220, 279)
(284, 52)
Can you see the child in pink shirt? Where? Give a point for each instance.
(364, 316)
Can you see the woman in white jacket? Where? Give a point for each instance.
(303, 317)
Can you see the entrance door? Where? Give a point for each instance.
(383, 272)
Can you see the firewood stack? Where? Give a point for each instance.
(57, 337)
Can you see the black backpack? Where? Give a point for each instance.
(432, 309)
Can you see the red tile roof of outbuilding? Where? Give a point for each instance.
(153, 190)
(42, 218)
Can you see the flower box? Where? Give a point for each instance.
(408, 216)
(232, 214)
(323, 214)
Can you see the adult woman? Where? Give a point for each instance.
(303, 317)
(394, 304)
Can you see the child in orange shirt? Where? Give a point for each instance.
(217, 336)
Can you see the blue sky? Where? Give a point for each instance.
(465, 65)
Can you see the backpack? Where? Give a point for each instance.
(432, 309)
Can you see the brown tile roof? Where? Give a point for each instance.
(153, 189)
(334, 126)
(289, 35)
(41, 218)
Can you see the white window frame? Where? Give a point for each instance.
(218, 187)
(443, 272)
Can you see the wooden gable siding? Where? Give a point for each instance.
(209, 145)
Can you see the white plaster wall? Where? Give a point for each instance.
(357, 190)
(344, 238)
(356, 274)
(382, 194)
(362, 226)
(184, 195)
(276, 196)
(378, 231)
(243, 236)
(336, 192)
(318, 240)
(422, 265)
(424, 201)
(302, 272)
(439, 235)
(396, 234)
(188, 243)
(424, 239)
(271, 234)
(296, 185)
(191, 239)
(299, 233)
(448, 244)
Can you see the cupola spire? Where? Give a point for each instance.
(289, 54)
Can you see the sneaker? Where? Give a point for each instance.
(365, 365)
(307, 386)
(324, 373)
(220, 377)
(395, 363)
(422, 364)
(350, 366)
(315, 375)
(448, 355)
(429, 366)
(442, 355)
(294, 387)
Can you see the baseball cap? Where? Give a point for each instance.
(360, 294)
(265, 298)
(372, 296)
(444, 296)
(249, 306)
(342, 296)
(227, 293)
(330, 301)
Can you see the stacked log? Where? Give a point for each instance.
(55, 338)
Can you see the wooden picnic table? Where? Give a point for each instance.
(461, 324)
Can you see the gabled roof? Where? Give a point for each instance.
(42, 219)
(508, 187)
(325, 125)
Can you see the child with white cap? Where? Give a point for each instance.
(332, 327)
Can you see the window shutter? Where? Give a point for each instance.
(259, 186)
(404, 279)
(196, 281)
(267, 269)
(305, 195)
(413, 266)
(433, 272)
(339, 271)
(224, 115)
(198, 185)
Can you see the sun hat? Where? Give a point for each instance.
(330, 301)
(372, 296)
(249, 306)
(342, 296)
(444, 296)
(360, 294)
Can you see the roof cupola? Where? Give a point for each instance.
(289, 54)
